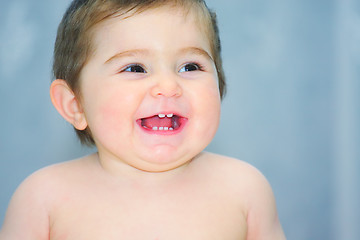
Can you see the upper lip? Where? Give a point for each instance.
(163, 114)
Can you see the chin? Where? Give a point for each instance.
(162, 161)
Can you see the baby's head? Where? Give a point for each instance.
(74, 44)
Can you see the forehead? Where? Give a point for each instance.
(191, 18)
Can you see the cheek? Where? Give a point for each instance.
(112, 116)
(211, 111)
(208, 109)
(211, 99)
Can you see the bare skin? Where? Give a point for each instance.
(178, 193)
(212, 197)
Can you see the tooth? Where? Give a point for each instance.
(166, 128)
(161, 115)
(155, 128)
(170, 115)
(171, 129)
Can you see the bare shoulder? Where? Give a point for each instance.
(236, 170)
(45, 183)
(240, 177)
(254, 192)
(42, 182)
(28, 213)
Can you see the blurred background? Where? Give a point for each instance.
(292, 108)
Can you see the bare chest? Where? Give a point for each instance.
(198, 215)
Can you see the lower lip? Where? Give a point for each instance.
(183, 122)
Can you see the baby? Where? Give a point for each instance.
(143, 81)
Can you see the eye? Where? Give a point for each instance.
(135, 68)
(189, 67)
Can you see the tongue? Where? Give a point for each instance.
(155, 121)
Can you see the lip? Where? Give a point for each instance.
(183, 121)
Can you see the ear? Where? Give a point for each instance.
(66, 103)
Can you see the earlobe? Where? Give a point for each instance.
(66, 103)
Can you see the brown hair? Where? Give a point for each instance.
(73, 46)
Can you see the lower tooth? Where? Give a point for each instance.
(162, 128)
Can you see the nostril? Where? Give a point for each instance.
(166, 87)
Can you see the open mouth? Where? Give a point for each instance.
(162, 122)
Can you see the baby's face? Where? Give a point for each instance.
(150, 92)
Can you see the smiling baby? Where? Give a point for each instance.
(143, 82)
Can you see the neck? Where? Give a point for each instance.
(120, 170)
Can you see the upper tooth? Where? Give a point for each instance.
(161, 115)
(170, 115)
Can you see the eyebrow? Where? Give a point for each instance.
(196, 51)
(144, 52)
(129, 53)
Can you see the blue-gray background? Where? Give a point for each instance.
(292, 109)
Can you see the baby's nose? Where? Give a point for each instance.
(166, 85)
